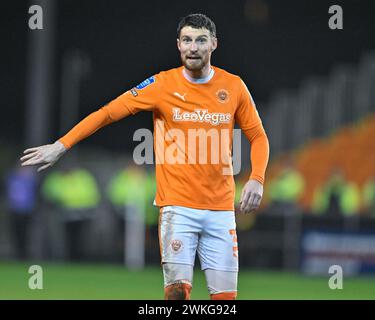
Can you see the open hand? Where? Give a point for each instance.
(47, 155)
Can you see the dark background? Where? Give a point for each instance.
(127, 41)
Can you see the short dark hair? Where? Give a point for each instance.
(197, 21)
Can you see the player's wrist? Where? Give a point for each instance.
(256, 178)
(60, 147)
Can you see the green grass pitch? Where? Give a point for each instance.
(88, 281)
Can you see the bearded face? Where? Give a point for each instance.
(196, 47)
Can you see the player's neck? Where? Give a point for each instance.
(199, 74)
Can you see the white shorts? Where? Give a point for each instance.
(184, 231)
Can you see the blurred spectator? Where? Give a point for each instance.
(131, 192)
(129, 186)
(152, 212)
(286, 189)
(51, 187)
(21, 191)
(368, 197)
(337, 196)
(75, 192)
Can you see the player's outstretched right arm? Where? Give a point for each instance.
(126, 104)
(47, 155)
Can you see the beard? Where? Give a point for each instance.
(194, 64)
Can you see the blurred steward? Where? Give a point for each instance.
(21, 197)
(337, 196)
(286, 188)
(131, 191)
(133, 187)
(75, 192)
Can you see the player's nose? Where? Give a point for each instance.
(193, 47)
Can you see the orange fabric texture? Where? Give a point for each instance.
(177, 291)
(180, 106)
(224, 296)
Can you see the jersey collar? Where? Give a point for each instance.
(200, 80)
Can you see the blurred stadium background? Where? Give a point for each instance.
(89, 221)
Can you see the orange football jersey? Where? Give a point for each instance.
(193, 125)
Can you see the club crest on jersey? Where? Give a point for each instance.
(176, 246)
(222, 95)
(146, 82)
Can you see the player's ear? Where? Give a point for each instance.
(178, 44)
(214, 44)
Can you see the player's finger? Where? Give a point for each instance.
(32, 157)
(253, 202)
(44, 167)
(32, 162)
(250, 203)
(31, 150)
(257, 201)
(242, 194)
(28, 156)
(244, 201)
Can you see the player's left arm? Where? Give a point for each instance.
(248, 118)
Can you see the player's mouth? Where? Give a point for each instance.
(193, 58)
